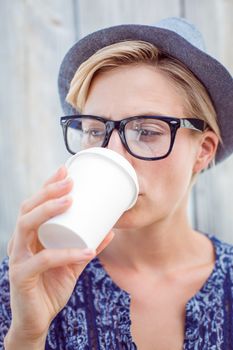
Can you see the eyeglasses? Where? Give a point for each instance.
(144, 137)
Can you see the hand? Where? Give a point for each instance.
(42, 280)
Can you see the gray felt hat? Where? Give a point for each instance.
(179, 39)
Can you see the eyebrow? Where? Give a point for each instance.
(148, 113)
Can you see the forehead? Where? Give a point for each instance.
(133, 90)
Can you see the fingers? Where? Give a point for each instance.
(50, 191)
(56, 186)
(51, 200)
(53, 258)
(44, 212)
(25, 238)
(59, 175)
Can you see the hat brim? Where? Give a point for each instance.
(213, 75)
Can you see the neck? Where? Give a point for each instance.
(163, 246)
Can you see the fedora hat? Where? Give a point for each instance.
(176, 37)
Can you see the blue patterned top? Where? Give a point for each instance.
(97, 315)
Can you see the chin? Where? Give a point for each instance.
(139, 216)
(129, 219)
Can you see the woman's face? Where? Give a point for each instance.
(164, 184)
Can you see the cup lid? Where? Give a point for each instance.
(114, 157)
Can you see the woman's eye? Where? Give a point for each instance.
(148, 132)
(94, 132)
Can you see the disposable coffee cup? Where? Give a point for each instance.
(105, 186)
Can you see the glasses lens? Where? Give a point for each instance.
(84, 133)
(148, 137)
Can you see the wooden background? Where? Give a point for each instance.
(34, 37)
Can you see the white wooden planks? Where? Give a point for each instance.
(94, 14)
(34, 37)
(214, 20)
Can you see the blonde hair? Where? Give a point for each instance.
(197, 102)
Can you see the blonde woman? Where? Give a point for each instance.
(153, 95)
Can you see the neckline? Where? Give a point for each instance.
(210, 279)
(192, 316)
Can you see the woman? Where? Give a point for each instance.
(159, 284)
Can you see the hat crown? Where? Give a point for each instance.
(183, 28)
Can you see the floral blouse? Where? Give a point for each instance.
(97, 315)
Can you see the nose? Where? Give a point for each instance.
(116, 145)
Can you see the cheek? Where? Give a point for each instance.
(165, 184)
(167, 181)
(163, 191)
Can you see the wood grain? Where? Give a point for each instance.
(34, 37)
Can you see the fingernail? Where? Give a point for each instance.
(88, 252)
(59, 170)
(64, 182)
(64, 200)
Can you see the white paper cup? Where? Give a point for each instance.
(105, 186)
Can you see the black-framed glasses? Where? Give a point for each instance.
(144, 137)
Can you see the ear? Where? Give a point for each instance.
(207, 148)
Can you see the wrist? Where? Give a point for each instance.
(13, 341)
